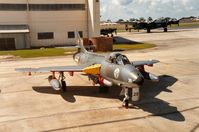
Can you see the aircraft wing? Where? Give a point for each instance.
(142, 63)
(52, 69)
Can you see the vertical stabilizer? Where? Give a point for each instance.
(80, 43)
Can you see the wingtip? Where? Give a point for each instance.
(22, 69)
(154, 61)
(17, 69)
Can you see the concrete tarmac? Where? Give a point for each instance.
(28, 103)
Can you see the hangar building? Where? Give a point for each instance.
(37, 23)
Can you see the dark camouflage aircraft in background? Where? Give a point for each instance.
(108, 31)
(158, 23)
(110, 70)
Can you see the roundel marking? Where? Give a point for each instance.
(117, 73)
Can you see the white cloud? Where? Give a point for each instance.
(125, 9)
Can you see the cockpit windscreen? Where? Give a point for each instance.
(122, 60)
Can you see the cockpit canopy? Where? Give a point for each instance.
(118, 58)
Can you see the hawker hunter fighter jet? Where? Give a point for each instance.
(110, 70)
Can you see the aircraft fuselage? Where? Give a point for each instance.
(122, 75)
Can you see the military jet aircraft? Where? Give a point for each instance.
(110, 70)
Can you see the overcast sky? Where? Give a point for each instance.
(125, 9)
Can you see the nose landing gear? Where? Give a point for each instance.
(126, 98)
(135, 96)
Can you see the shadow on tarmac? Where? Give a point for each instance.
(149, 91)
(156, 106)
(120, 40)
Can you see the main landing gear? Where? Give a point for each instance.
(165, 29)
(135, 96)
(63, 83)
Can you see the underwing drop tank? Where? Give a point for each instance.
(153, 77)
(54, 83)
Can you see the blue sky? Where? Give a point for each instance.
(125, 9)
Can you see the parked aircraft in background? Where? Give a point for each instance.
(158, 23)
(110, 70)
(108, 31)
(108, 28)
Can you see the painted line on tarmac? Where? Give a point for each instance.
(12, 92)
(61, 113)
(101, 123)
(121, 120)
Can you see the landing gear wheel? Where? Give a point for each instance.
(63, 86)
(63, 83)
(126, 104)
(126, 98)
(103, 89)
(148, 30)
(165, 29)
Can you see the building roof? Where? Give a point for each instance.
(14, 29)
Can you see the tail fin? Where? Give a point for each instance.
(80, 43)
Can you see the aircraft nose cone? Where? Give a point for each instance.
(139, 81)
(133, 75)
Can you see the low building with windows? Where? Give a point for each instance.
(38, 23)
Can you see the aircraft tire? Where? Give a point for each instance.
(165, 30)
(148, 30)
(63, 86)
(126, 103)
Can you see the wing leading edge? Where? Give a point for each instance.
(52, 69)
(142, 63)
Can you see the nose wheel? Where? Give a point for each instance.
(134, 98)
(126, 98)
(126, 103)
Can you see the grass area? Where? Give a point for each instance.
(139, 46)
(186, 25)
(46, 52)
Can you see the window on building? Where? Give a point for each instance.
(56, 7)
(41, 7)
(13, 7)
(81, 34)
(46, 35)
(71, 34)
